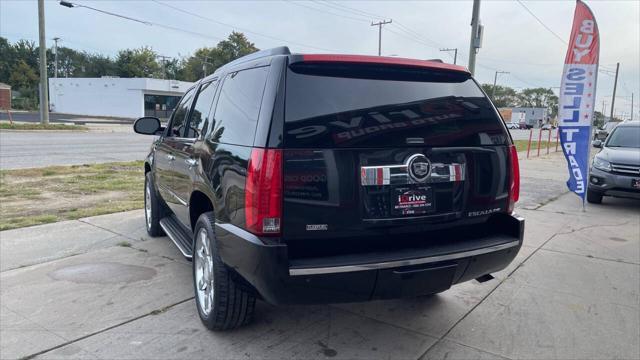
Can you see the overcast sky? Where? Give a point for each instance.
(514, 40)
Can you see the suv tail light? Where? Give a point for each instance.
(263, 192)
(514, 187)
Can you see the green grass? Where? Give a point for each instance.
(4, 125)
(44, 195)
(521, 145)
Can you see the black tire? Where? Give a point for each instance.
(156, 207)
(232, 304)
(594, 197)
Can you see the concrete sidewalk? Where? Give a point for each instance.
(100, 288)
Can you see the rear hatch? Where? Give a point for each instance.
(375, 156)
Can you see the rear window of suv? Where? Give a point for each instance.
(337, 106)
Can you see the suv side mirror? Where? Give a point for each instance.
(597, 143)
(148, 126)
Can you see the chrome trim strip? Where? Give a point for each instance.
(183, 251)
(399, 175)
(168, 190)
(399, 263)
(626, 169)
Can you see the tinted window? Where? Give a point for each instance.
(239, 105)
(387, 109)
(179, 118)
(625, 136)
(200, 114)
(610, 126)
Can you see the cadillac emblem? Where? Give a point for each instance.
(419, 168)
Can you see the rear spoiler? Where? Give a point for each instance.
(377, 60)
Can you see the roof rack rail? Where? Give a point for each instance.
(436, 60)
(280, 50)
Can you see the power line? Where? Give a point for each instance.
(339, 7)
(72, 5)
(325, 11)
(239, 28)
(542, 23)
(145, 22)
(364, 13)
(416, 34)
(363, 16)
(410, 38)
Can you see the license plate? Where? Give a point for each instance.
(412, 201)
(635, 183)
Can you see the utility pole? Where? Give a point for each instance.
(495, 79)
(615, 84)
(55, 53)
(631, 106)
(604, 108)
(44, 88)
(455, 53)
(379, 25)
(163, 59)
(475, 33)
(205, 62)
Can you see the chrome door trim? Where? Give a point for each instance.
(172, 193)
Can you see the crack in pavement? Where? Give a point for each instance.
(105, 229)
(509, 276)
(620, 261)
(72, 341)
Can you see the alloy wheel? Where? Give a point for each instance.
(203, 275)
(147, 204)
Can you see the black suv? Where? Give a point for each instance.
(332, 178)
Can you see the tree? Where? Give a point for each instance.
(598, 119)
(6, 60)
(24, 81)
(97, 66)
(193, 68)
(210, 59)
(540, 98)
(27, 51)
(139, 62)
(236, 46)
(23, 76)
(173, 69)
(504, 95)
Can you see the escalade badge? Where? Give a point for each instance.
(418, 167)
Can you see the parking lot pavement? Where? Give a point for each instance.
(27, 149)
(106, 290)
(521, 134)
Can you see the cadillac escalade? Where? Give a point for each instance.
(303, 179)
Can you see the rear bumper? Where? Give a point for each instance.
(362, 277)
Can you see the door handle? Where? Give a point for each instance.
(171, 157)
(191, 162)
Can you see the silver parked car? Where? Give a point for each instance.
(615, 170)
(602, 133)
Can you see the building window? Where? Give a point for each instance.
(159, 106)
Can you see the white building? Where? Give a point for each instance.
(117, 97)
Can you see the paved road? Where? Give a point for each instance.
(36, 149)
(68, 291)
(58, 118)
